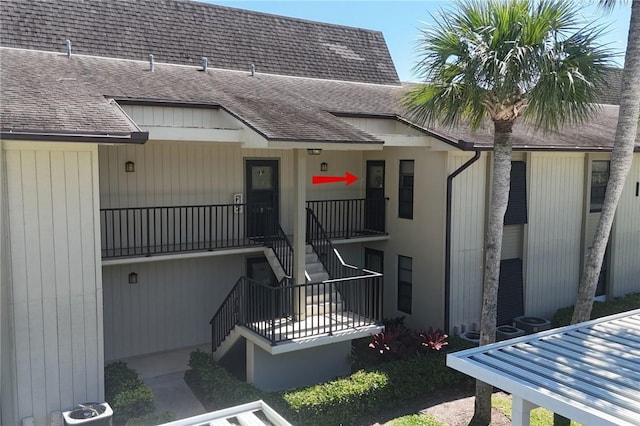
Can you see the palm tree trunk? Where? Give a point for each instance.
(495, 227)
(621, 159)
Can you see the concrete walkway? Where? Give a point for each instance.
(164, 373)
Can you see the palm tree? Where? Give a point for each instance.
(505, 61)
(621, 159)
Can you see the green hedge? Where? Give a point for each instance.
(221, 388)
(600, 309)
(340, 401)
(374, 388)
(127, 395)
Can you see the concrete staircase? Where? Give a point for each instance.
(318, 297)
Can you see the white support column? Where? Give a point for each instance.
(520, 411)
(299, 228)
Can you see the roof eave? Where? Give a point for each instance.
(137, 138)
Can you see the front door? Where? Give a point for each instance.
(262, 196)
(266, 301)
(375, 208)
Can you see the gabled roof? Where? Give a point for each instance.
(182, 32)
(51, 92)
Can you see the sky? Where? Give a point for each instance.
(400, 21)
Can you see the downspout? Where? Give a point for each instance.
(447, 258)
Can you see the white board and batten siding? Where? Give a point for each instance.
(554, 232)
(160, 116)
(55, 282)
(625, 240)
(170, 306)
(467, 239)
(174, 174)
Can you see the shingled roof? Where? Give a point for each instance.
(182, 32)
(48, 92)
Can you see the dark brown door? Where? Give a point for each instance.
(375, 209)
(263, 198)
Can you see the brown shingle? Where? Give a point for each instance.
(182, 31)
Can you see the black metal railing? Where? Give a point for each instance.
(289, 311)
(351, 218)
(319, 239)
(145, 231)
(278, 241)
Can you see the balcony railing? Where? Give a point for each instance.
(281, 313)
(146, 231)
(351, 218)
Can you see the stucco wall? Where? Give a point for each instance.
(299, 368)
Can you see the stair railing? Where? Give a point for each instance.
(333, 263)
(277, 240)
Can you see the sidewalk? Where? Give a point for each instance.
(164, 373)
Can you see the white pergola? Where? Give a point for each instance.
(588, 372)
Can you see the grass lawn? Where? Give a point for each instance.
(539, 416)
(415, 420)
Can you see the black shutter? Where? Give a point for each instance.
(510, 291)
(517, 207)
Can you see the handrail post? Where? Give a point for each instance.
(331, 285)
(148, 235)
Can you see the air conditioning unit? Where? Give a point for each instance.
(531, 324)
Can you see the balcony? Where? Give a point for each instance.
(152, 231)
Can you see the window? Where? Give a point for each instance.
(599, 178)
(405, 192)
(405, 279)
(517, 208)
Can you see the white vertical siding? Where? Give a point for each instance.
(7, 356)
(170, 306)
(467, 240)
(53, 191)
(625, 249)
(172, 174)
(553, 251)
(205, 118)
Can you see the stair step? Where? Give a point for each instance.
(313, 268)
(322, 297)
(318, 277)
(323, 309)
(308, 249)
(310, 258)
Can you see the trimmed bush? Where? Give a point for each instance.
(600, 309)
(369, 390)
(337, 402)
(127, 395)
(221, 387)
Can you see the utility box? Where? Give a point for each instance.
(89, 413)
(505, 332)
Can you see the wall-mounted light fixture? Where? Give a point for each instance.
(324, 167)
(133, 278)
(314, 151)
(129, 167)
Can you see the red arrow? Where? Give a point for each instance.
(348, 178)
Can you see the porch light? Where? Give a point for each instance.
(129, 167)
(324, 167)
(133, 278)
(314, 151)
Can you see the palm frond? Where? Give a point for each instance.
(484, 57)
